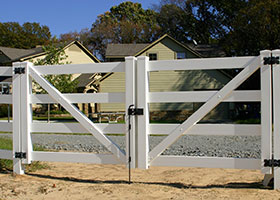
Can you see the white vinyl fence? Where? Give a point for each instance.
(137, 96)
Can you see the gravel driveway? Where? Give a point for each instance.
(218, 146)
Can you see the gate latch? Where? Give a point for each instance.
(20, 155)
(271, 60)
(19, 70)
(271, 162)
(135, 111)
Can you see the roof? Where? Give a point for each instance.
(171, 38)
(15, 54)
(122, 50)
(85, 79)
(209, 50)
(6, 79)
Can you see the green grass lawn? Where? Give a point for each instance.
(7, 165)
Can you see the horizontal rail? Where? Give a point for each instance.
(75, 128)
(200, 64)
(203, 96)
(81, 68)
(81, 98)
(207, 162)
(6, 71)
(210, 129)
(155, 129)
(74, 157)
(6, 154)
(6, 126)
(5, 99)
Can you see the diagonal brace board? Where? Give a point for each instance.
(80, 117)
(252, 66)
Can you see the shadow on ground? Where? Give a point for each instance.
(235, 185)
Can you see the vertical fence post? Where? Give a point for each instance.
(130, 100)
(266, 112)
(143, 120)
(26, 112)
(276, 118)
(16, 96)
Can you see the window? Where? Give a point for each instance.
(152, 56)
(181, 55)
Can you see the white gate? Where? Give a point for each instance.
(138, 96)
(22, 126)
(267, 164)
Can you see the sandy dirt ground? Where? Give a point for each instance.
(87, 181)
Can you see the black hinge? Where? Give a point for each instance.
(20, 155)
(271, 163)
(135, 111)
(19, 70)
(271, 60)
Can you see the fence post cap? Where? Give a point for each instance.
(143, 58)
(130, 58)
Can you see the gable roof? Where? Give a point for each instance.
(171, 38)
(15, 54)
(122, 50)
(82, 47)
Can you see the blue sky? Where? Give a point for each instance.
(61, 16)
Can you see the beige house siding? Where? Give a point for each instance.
(75, 56)
(167, 49)
(114, 83)
(163, 81)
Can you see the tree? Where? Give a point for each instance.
(189, 20)
(241, 27)
(83, 36)
(55, 55)
(125, 23)
(172, 20)
(27, 36)
(255, 27)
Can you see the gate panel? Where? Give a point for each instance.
(206, 108)
(82, 119)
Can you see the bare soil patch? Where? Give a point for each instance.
(87, 181)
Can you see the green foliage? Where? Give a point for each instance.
(27, 36)
(241, 27)
(248, 121)
(6, 143)
(57, 112)
(4, 110)
(7, 165)
(190, 20)
(125, 23)
(255, 27)
(55, 55)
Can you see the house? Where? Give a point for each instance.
(75, 51)
(165, 48)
